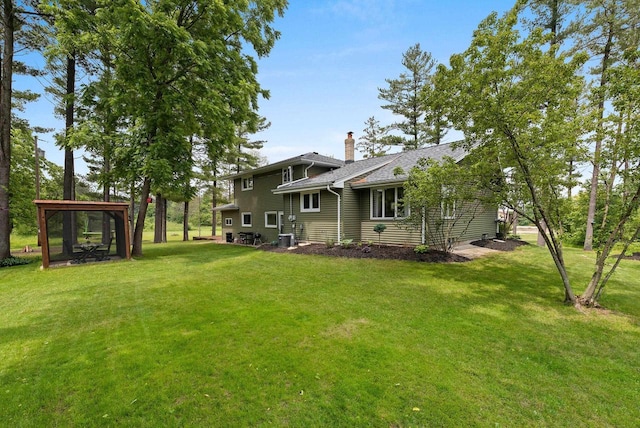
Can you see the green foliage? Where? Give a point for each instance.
(346, 243)
(443, 194)
(330, 243)
(517, 102)
(405, 98)
(379, 228)
(421, 249)
(203, 89)
(14, 261)
(22, 184)
(372, 143)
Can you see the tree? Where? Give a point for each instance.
(435, 98)
(601, 33)
(14, 24)
(405, 99)
(443, 196)
(516, 100)
(180, 70)
(625, 95)
(8, 29)
(372, 143)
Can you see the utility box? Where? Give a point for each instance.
(285, 240)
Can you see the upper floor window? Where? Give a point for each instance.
(287, 174)
(388, 203)
(310, 202)
(247, 183)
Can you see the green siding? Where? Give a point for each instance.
(399, 233)
(256, 201)
(315, 226)
(351, 217)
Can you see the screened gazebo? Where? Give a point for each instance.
(80, 231)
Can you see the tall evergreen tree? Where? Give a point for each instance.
(405, 99)
(372, 143)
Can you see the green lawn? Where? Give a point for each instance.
(202, 334)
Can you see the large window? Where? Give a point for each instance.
(287, 174)
(247, 183)
(310, 202)
(388, 203)
(246, 220)
(271, 219)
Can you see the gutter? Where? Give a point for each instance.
(338, 195)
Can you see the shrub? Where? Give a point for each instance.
(421, 249)
(14, 261)
(330, 243)
(379, 228)
(346, 243)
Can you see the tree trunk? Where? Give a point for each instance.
(106, 197)
(593, 193)
(614, 236)
(159, 224)
(214, 204)
(185, 222)
(142, 213)
(5, 125)
(132, 207)
(164, 219)
(69, 233)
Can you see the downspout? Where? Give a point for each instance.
(308, 168)
(291, 222)
(338, 195)
(423, 229)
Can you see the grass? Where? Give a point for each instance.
(201, 334)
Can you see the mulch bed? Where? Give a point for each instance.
(634, 256)
(392, 252)
(500, 245)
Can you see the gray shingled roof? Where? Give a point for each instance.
(303, 159)
(409, 159)
(336, 176)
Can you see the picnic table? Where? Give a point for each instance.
(84, 251)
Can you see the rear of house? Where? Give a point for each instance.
(318, 199)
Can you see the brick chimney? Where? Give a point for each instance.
(349, 148)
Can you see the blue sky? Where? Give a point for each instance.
(325, 71)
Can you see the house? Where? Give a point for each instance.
(318, 199)
(256, 208)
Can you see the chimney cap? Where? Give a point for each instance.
(350, 133)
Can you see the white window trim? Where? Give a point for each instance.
(287, 171)
(266, 217)
(447, 211)
(228, 221)
(395, 201)
(248, 187)
(242, 219)
(309, 210)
